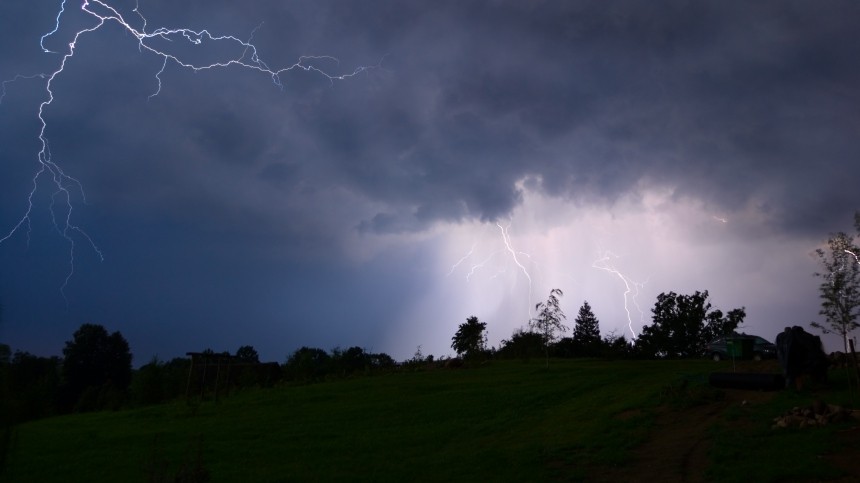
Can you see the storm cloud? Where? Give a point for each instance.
(232, 211)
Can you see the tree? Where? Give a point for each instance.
(248, 354)
(615, 346)
(97, 363)
(147, 385)
(684, 325)
(548, 321)
(349, 361)
(566, 347)
(308, 363)
(382, 361)
(840, 285)
(522, 344)
(470, 339)
(33, 386)
(586, 331)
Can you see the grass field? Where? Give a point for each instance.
(503, 421)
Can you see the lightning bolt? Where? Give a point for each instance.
(52, 32)
(506, 248)
(506, 238)
(856, 257)
(460, 261)
(632, 287)
(65, 186)
(476, 266)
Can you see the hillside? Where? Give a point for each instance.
(503, 421)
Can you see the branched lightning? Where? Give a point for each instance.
(506, 238)
(103, 13)
(604, 262)
(507, 247)
(52, 32)
(15, 79)
(460, 261)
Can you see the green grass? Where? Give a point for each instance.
(506, 421)
(746, 448)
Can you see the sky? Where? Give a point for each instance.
(490, 152)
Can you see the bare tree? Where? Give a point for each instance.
(549, 320)
(840, 285)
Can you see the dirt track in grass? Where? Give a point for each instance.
(679, 444)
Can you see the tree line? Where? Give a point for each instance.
(682, 326)
(95, 373)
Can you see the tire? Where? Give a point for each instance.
(757, 356)
(716, 357)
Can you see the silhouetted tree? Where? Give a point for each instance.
(615, 346)
(522, 345)
(684, 325)
(147, 384)
(586, 331)
(247, 353)
(840, 285)
(174, 374)
(250, 372)
(33, 386)
(354, 359)
(548, 320)
(307, 363)
(382, 361)
(470, 340)
(97, 365)
(565, 347)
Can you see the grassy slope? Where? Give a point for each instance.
(507, 421)
(745, 448)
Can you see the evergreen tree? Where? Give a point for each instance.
(586, 331)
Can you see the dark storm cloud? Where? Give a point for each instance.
(733, 104)
(719, 101)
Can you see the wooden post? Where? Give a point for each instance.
(217, 375)
(207, 359)
(190, 372)
(227, 382)
(203, 382)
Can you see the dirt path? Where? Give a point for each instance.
(677, 450)
(678, 445)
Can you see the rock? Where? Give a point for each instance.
(818, 414)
